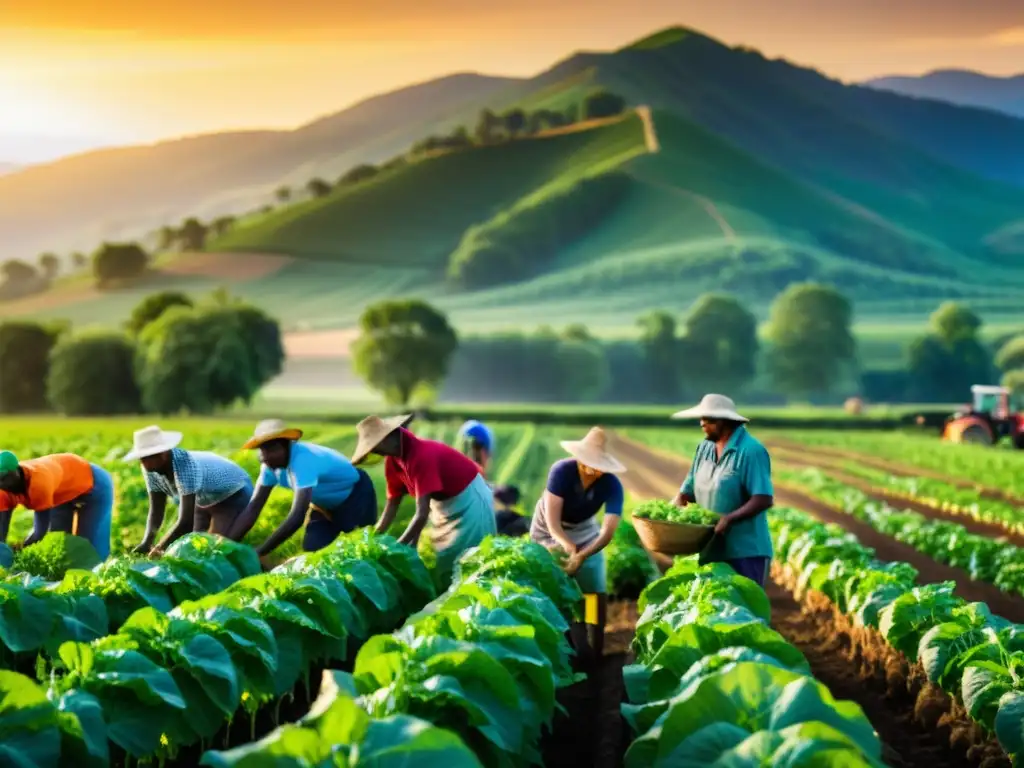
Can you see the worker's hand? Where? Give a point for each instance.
(266, 563)
(143, 549)
(680, 500)
(156, 553)
(573, 564)
(568, 547)
(723, 524)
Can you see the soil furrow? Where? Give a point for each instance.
(824, 454)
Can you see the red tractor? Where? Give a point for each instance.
(987, 420)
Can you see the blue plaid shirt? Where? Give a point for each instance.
(209, 476)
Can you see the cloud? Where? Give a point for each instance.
(1011, 37)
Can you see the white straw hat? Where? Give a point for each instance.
(592, 451)
(151, 441)
(271, 429)
(712, 407)
(371, 432)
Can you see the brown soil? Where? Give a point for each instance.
(226, 266)
(918, 724)
(826, 455)
(991, 530)
(663, 474)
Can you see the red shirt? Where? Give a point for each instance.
(428, 468)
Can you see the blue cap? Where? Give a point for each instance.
(478, 433)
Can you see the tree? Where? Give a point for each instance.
(359, 173)
(24, 364)
(318, 188)
(720, 343)
(119, 261)
(577, 332)
(222, 225)
(166, 238)
(1014, 381)
(92, 374)
(603, 104)
(946, 361)
(152, 307)
(79, 259)
(192, 235)
(404, 344)
(19, 279)
(485, 126)
(1011, 355)
(660, 344)
(812, 342)
(49, 263)
(515, 122)
(210, 356)
(283, 194)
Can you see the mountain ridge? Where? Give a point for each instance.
(963, 87)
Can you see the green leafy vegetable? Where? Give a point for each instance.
(666, 512)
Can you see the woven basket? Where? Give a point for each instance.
(672, 538)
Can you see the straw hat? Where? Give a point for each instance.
(593, 452)
(150, 441)
(712, 407)
(371, 432)
(271, 429)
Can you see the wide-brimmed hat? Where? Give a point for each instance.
(592, 451)
(271, 429)
(712, 407)
(150, 441)
(371, 432)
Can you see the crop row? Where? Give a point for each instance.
(990, 560)
(922, 637)
(483, 662)
(173, 677)
(999, 469)
(713, 683)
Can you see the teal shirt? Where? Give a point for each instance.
(725, 484)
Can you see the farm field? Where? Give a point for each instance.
(896, 630)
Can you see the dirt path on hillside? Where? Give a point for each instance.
(825, 455)
(990, 530)
(708, 205)
(663, 473)
(650, 133)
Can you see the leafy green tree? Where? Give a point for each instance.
(603, 104)
(576, 332)
(720, 344)
(485, 126)
(809, 329)
(359, 173)
(92, 374)
(207, 357)
(1014, 381)
(318, 188)
(283, 194)
(515, 122)
(660, 343)
(166, 238)
(154, 305)
(946, 361)
(24, 364)
(79, 259)
(1011, 355)
(119, 261)
(49, 264)
(192, 235)
(404, 344)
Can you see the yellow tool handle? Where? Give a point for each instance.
(590, 609)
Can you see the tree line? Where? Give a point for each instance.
(172, 355)
(807, 352)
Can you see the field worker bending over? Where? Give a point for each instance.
(337, 497)
(58, 488)
(477, 442)
(731, 475)
(448, 487)
(210, 491)
(508, 521)
(566, 516)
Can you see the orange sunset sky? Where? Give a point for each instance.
(80, 73)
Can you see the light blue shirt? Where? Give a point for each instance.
(330, 474)
(724, 484)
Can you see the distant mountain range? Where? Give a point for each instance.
(957, 86)
(729, 172)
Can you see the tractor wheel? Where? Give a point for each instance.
(976, 435)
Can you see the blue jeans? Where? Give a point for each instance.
(95, 509)
(357, 511)
(754, 568)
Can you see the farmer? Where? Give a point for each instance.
(448, 487)
(337, 497)
(210, 491)
(61, 489)
(507, 520)
(731, 475)
(477, 442)
(566, 516)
